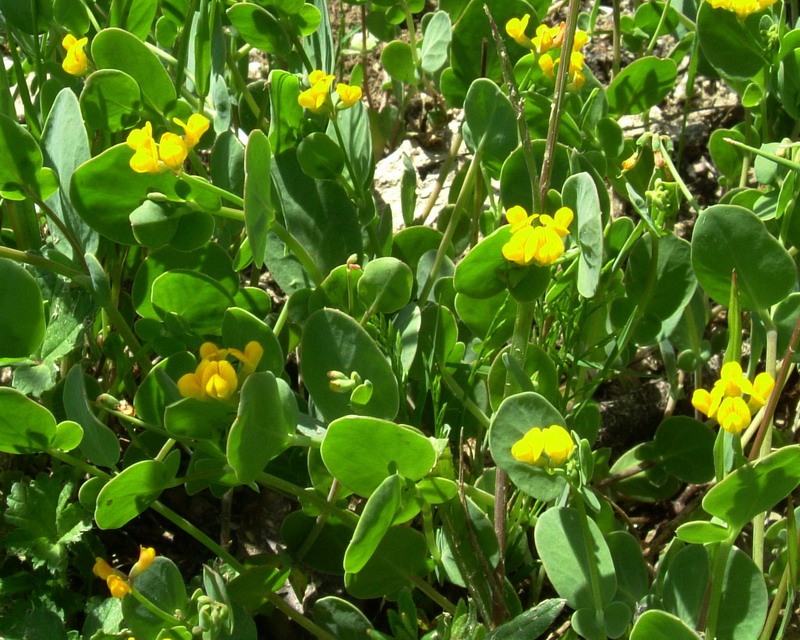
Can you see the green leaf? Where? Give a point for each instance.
(632, 574)
(539, 369)
(111, 100)
(118, 49)
(22, 324)
(286, 112)
(517, 415)
(491, 123)
(326, 553)
(641, 85)
(211, 260)
(46, 520)
(658, 625)
(99, 444)
(435, 41)
(320, 157)
(361, 452)
(332, 341)
(531, 624)
(161, 583)
(21, 171)
(318, 213)
(651, 484)
(728, 237)
(356, 143)
(68, 435)
(580, 195)
(397, 60)
(482, 272)
(374, 522)
(755, 488)
(702, 532)
(721, 33)
(240, 327)
(194, 296)
(307, 19)
(196, 419)
(566, 558)
(401, 555)
(685, 448)
(386, 285)
(130, 493)
(341, 618)
(259, 28)
(743, 608)
(258, 211)
(135, 16)
(725, 156)
(261, 430)
(65, 146)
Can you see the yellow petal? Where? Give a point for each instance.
(146, 557)
(516, 27)
(172, 150)
(68, 41)
(102, 569)
(145, 160)
(348, 95)
(558, 444)
(701, 400)
(529, 448)
(75, 62)
(189, 387)
(547, 66)
(733, 415)
(194, 129)
(762, 388)
(581, 38)
(138, 138)
(517, 217)
(117, 586)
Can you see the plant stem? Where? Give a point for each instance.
(156, 610)
(447, 166)
(433, 594)
(461, 394)
(616, 38)
(212, 188)
(38, 261)
(558, 101)
(299, 252)
(659, 26)
(681, 184)
(594, 578)
(466, 187)
(717, 580)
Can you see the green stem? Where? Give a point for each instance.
(171, 620)
(240, 83)
(300, 494)
(447, 166)
(617, 57)
(78, 464)
(412, 34)
(283, 316)
(24, 224)
(124, 329)
(212, 188)
(299, 252)
(694, 57)
(300, 49)
(183, 47)
(31, 116)
(457, 391)
(717, 580)
(558, 101)
(466, 187)
(346, 155)
(432, 593)
(594, 577)
(794, 166)
(38, 261)
(659, 26)
(681, 184)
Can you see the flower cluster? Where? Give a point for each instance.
(75, 62)
(548, 38)
(551, 446)
(542, 244)
(215, 377)
(743, 8)
(171, 151)
(118, 583)
(317, 99)
(726, 402)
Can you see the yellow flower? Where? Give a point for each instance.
(552, 445)
(701, 400)
(172, 150)
(542, 245)
(516, 27)
(253, 351)
(762, 388)
(547, 66)
(75, 62)
(348, 95)
(102, 569)
(732, 380)
(319, 76)
(733, 415)
(138, 138)
(518, 218)
(218, 379)
(210, 351)
(558, 444)
(581, 38)
(146, 557)
(742, 8)
(118, 587)
(145, 160)
(546, 38)
(529, 449)
(316, 98)
(560, 223)
(194, 129)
